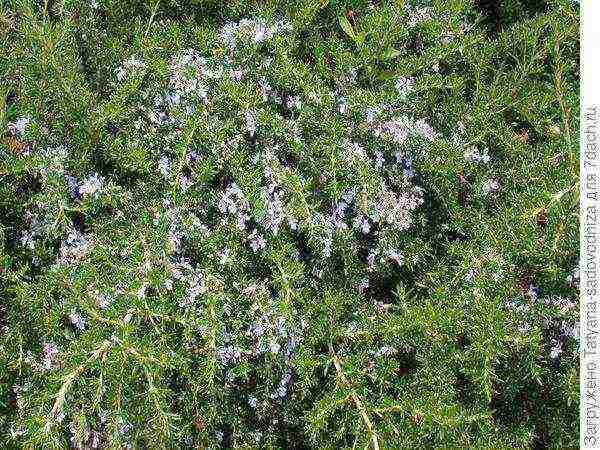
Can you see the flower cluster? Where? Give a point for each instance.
(251, 30)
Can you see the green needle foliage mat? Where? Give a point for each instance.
(289, 224)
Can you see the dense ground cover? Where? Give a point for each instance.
(291, 224)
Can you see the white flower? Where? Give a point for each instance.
(75, 247)
(490, 186)
(197, 287)
(404, 86)
(247, 30)
(102, 300)
(425, 130)
(371, 259)
(131, 65)
(164, 166)
(274, 347)
(524, 328)
(362, 223)
(77, 320)
(382, 307)
(91, 185)
(363, 286)
(371, 114)
(473, 154)
(19, 126)
(274, 213)
(28, 240)
(293, 102)
(379, 159)
(250, 119)
(293, 223)
(395, 209)
(185, 182)
(141, 292)
(176, 273)
(343, 105)
(265, 88)
(418, 14)
(257, 241)
(471, 273)
(356, 150)
(174, 238)
(327, 243)
(49, 349)
(224, 256)
(237, 75)
(556, 349)
(252, 401)
(232, 201)
(564, 304)
(283, 385)
(386, 351)
(228, 353)
(400, 128)
(570, 329)
(396, 256)
(573, 277)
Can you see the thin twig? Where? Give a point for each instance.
(185, 146)
(68, 381)
(355, 398)
(152, 17)
(558, 80)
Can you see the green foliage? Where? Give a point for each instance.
(342, 224)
